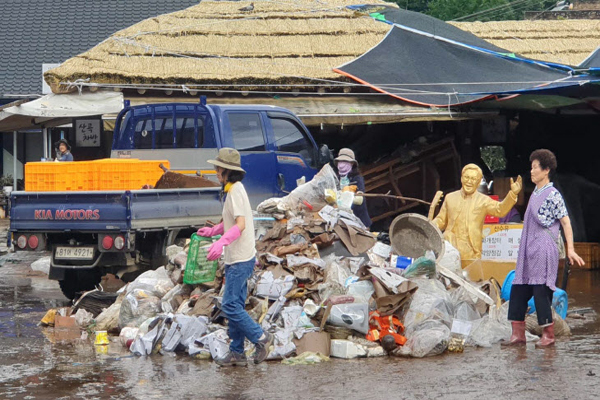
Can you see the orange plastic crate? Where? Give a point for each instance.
(105, 174)
(58, 176)
(126, 174)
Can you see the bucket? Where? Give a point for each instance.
(411, 235)
(101, 338)
(560, 299)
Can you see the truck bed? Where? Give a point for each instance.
(95, 211)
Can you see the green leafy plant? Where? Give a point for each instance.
(6, 180)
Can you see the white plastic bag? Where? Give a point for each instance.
(137, 307)
(361, 289)
(312, 192)
(428, 338)
(451, 258)
(430, 301)
(157, 282)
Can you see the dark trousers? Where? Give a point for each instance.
(520, 295)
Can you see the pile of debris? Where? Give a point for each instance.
(323, 285)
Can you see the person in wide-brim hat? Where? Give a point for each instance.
(346, 168)
(237, 241)
(347, 155)
(228, 158)
(63, 152)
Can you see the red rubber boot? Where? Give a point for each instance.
(518, 334)
(547, 337)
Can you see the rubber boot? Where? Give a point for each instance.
(547, 337)
(518, 334)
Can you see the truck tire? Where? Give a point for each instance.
(79, 281)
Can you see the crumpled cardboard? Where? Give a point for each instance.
(316, 342)
(356, 240)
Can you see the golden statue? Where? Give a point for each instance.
(463, 212)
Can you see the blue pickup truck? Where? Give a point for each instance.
(98, 232)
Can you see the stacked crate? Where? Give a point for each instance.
(105, 174)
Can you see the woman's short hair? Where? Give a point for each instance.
(546, 158)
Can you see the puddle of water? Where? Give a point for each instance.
(32, 366)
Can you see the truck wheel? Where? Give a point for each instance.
(79, 281)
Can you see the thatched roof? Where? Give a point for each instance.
(213, 42)
(565, 42)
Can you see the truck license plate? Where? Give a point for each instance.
(79, 253)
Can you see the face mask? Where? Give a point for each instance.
(344, 167)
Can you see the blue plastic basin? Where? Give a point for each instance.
(560, 299)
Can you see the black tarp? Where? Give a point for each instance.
(434, 26)
(431, 71)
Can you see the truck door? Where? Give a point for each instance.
(249, 137)
(295, 151)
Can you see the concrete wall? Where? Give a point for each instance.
(550, 15)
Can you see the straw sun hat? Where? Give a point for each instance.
(346, 154)
(228, 158)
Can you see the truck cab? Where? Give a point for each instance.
(275, 146)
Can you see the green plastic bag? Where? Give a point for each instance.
(421, 266)
(197, 268)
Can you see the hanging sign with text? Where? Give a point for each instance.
(87, 132)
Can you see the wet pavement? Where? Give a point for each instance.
(32, 366)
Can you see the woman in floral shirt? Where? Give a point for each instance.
(537, 263)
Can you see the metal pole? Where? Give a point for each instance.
(45, 140)
(15, 160)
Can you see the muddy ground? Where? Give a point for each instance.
(33, 367)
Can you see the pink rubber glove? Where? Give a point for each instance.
(216, 249)
(211, 231)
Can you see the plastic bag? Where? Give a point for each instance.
(422, 266)
(128, 334)
(451, 258)
(156, 283)
(335, 270)
(108, 319)
(428, 338)
(431, 300)
(312, 194)
(306, 358)
(466, 311)
(136, 307)
(361, 289)
(83, 317)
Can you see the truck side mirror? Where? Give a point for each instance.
(325, 156)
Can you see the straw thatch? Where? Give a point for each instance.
(565, 42)
(279, 42)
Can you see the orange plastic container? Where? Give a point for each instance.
(126, 174)
(58, 176)
(105, 174)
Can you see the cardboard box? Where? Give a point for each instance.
(482, 270)
(65, 322)
(317, 342)
(66, 328)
